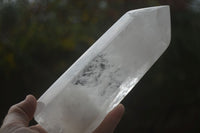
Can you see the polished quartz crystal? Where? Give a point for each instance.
(80, 99)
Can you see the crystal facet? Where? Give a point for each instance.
(80, 99)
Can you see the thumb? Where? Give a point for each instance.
(111, 120)
(21, 113)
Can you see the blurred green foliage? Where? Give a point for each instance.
(39, 40)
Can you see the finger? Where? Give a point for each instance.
(111, 120)
(38, 129)
(21, 113)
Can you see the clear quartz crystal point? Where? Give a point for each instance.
(80, 99)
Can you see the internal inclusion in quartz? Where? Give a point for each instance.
(86, 97)
(80, 99)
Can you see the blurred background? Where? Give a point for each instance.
(40, 39)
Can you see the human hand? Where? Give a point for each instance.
(19, 115)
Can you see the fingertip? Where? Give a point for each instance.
(22, 112)
(29, 105)
(118, 111)
(31, 99)
(111, 120)
(121, 108)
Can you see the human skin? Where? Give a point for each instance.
(19, 115)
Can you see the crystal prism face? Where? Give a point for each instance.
(80, 99)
